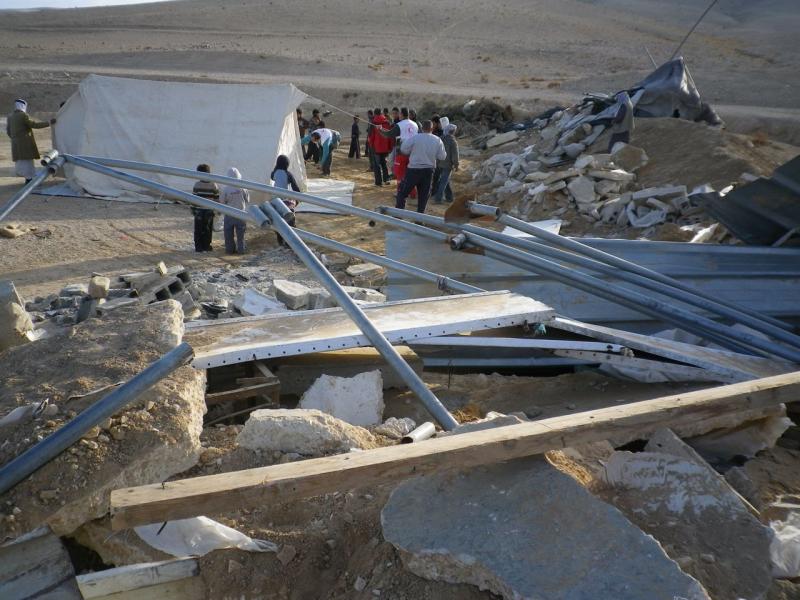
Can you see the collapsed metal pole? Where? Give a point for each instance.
(39, 455)
(681, 318)
(274, 209)
(572, 245)
(52, 162)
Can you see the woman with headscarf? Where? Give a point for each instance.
(446, 166)
(19, 127)
(283, 178)
(622, 123)
(234, 228)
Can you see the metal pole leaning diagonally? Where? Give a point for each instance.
(39, 455)
(52, 162)
(573, 245)
(273, 216)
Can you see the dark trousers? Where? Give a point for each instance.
(625, 136)
(419, 179)
(312, 152)
(355, 147)
(234, 235)
(203, 229)
(379, 168)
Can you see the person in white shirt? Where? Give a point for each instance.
(328, 140)
(423, 150)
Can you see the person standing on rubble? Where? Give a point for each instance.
(424, 150)
(622, 123)
(19, 127)
(203, 217)
(446, 167)
(282, 177)
(234, 228)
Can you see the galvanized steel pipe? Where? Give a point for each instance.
(52, 165)
(54, 444)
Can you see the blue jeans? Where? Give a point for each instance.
(443, 186)
(234, 226)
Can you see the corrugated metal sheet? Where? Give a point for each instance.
(763, 279)
(762, 212)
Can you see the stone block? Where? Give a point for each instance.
(502, 138)
(252, 302)
(99, 286)
(294, 295)
(629, 158)
(522, 529)
(613, 175)
(75, 289)
(668, 191)
(574, 150)
(357, 400)
(582, 190)
(306, 432)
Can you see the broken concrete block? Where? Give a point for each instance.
(357, 400)
(365, 270)
(642, 217)
(585, 161)
(75, 289)
(252, 302)
(523, 529)
(559, 175)
(537, 176)
(613, 175)
(306, 432)
(73, 370)
(99, 286)
(294, 295)
(502, 138)
(582, 190)
(627, 157)
(693, 513)
(660, 192)
(395, 428)
(574, 150)
(745, 440)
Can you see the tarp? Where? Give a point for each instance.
(178, 124)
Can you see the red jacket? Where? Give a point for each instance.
(379, 143)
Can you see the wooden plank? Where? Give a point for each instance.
(242, 393)
(37, 565)
(264, 369)
(132, 577)
(285, 482)
(192, 588)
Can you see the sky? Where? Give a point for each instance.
(29, 4)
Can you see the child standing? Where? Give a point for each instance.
(234, 228)
(283, 178)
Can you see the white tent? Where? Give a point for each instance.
(178, 124)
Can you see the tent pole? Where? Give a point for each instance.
(52, 162)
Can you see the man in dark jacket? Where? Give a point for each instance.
(355, 143)
(19, 127)
(204, 218)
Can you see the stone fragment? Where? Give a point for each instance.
(294, 295)
(15, 323)
(574, 150)
(357, 400)
(537, 176)
(660, 192)
(586, 161)
(559, 175)
(613, 175)
(522, 529)
(630, 158)
(360, 584)
(395, 428)
(99, 286)
(502, 138)
(11, 230)
(641, 217)
(286, 554)
(582, 190)
(252, 302)
(307, 432)
(75, 289)
(606, 187)
(366, 271)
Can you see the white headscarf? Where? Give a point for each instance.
(450, 129)
(20, 104)
(232, 172)
(443, 123)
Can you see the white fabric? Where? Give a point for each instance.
(198, 536)
(336, 190)
(25, 168)
(179, 124)
(20, 105)
(407, 129)
(443, 123)
(324, 134)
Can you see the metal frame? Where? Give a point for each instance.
(474, 341)
(52, 162)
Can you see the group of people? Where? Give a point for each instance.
(419, 157)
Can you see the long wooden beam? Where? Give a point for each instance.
(285, 482)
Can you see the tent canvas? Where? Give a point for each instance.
(178, 124)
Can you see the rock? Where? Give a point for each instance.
(630, 158)
(307, 432)
(75, 289)
(395, 428)
(366, 272)
(746, 440)
(582, 190)
(661, 192)
(360, 584)
(16, 326)
(357, 400)
(537, 176)
(585, 162)
(642, 217)
(613, 175)
(99, 286)
(287, 554)
(676, 497)
(252, 302)
(522, 529)
(574, 150)
(87, 309)
(606, 187)
(502, 138)
(293, 295)
(560, 175)
(610, 210)
(11, 230)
